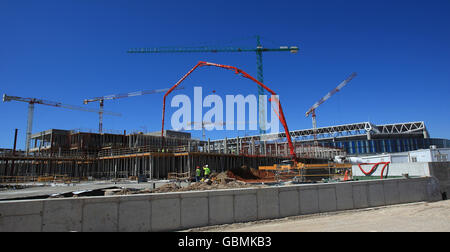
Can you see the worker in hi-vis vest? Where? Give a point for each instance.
(198, 174)
(207, 171)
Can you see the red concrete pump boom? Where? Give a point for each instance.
(245, 75)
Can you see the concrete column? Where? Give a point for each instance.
(225, 146)
(237, 146)
(263, 147)
(209, 145)
(253, 146)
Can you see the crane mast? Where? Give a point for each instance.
(204, 124)
(32, 101)
(259, 64)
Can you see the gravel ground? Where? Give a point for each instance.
(414, 217)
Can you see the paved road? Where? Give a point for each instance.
(415, 217)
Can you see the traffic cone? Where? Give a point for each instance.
(346, 175)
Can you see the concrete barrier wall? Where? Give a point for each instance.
(176, 211)
(441, 171)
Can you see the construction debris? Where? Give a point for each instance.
(216, 182)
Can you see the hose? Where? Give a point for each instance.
(374, 167)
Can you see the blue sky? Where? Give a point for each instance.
(67, 51)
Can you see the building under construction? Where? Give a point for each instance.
(81, 154)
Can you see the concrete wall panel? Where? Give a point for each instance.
(376, 194)
(166, 214)
(175, 211)
(327, 199)
(405, 188)
(344, 196)
(221, 209)
(100, 217)
(289, 202)
(268, 203)
(62, 215)
(245, 207)
(360, 199)
(391, 192)
(194, 212)
(21, 223)
(134, 216)
(309, 200)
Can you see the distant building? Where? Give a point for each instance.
(358, 139)
(415, 156)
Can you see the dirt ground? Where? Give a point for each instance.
(415, 217)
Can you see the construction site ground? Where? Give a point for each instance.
(238, 178)
(223, 180)
(414, 217)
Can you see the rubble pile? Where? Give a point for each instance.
(216, 182)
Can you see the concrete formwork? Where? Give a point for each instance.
(159, 165)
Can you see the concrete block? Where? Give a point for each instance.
(434, 190)
(194, 211)
(440, 170)
(268, 203)
(327, 199)
(221, 209)
(100, 217)
(21, 216)
(419, 190)
(289, 202)
(21, 223)
(166, 214)
(62, 215)
(245, 207)
(391, 193)
(360, 195)
(309, 200)
(376, 194)
(344, 196)
(134, 215)
(405, 187)
(21, 207)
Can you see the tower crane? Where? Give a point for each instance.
(102, 99)
(204, 124)
(259, 49)
(32, 101)
(312, 110)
